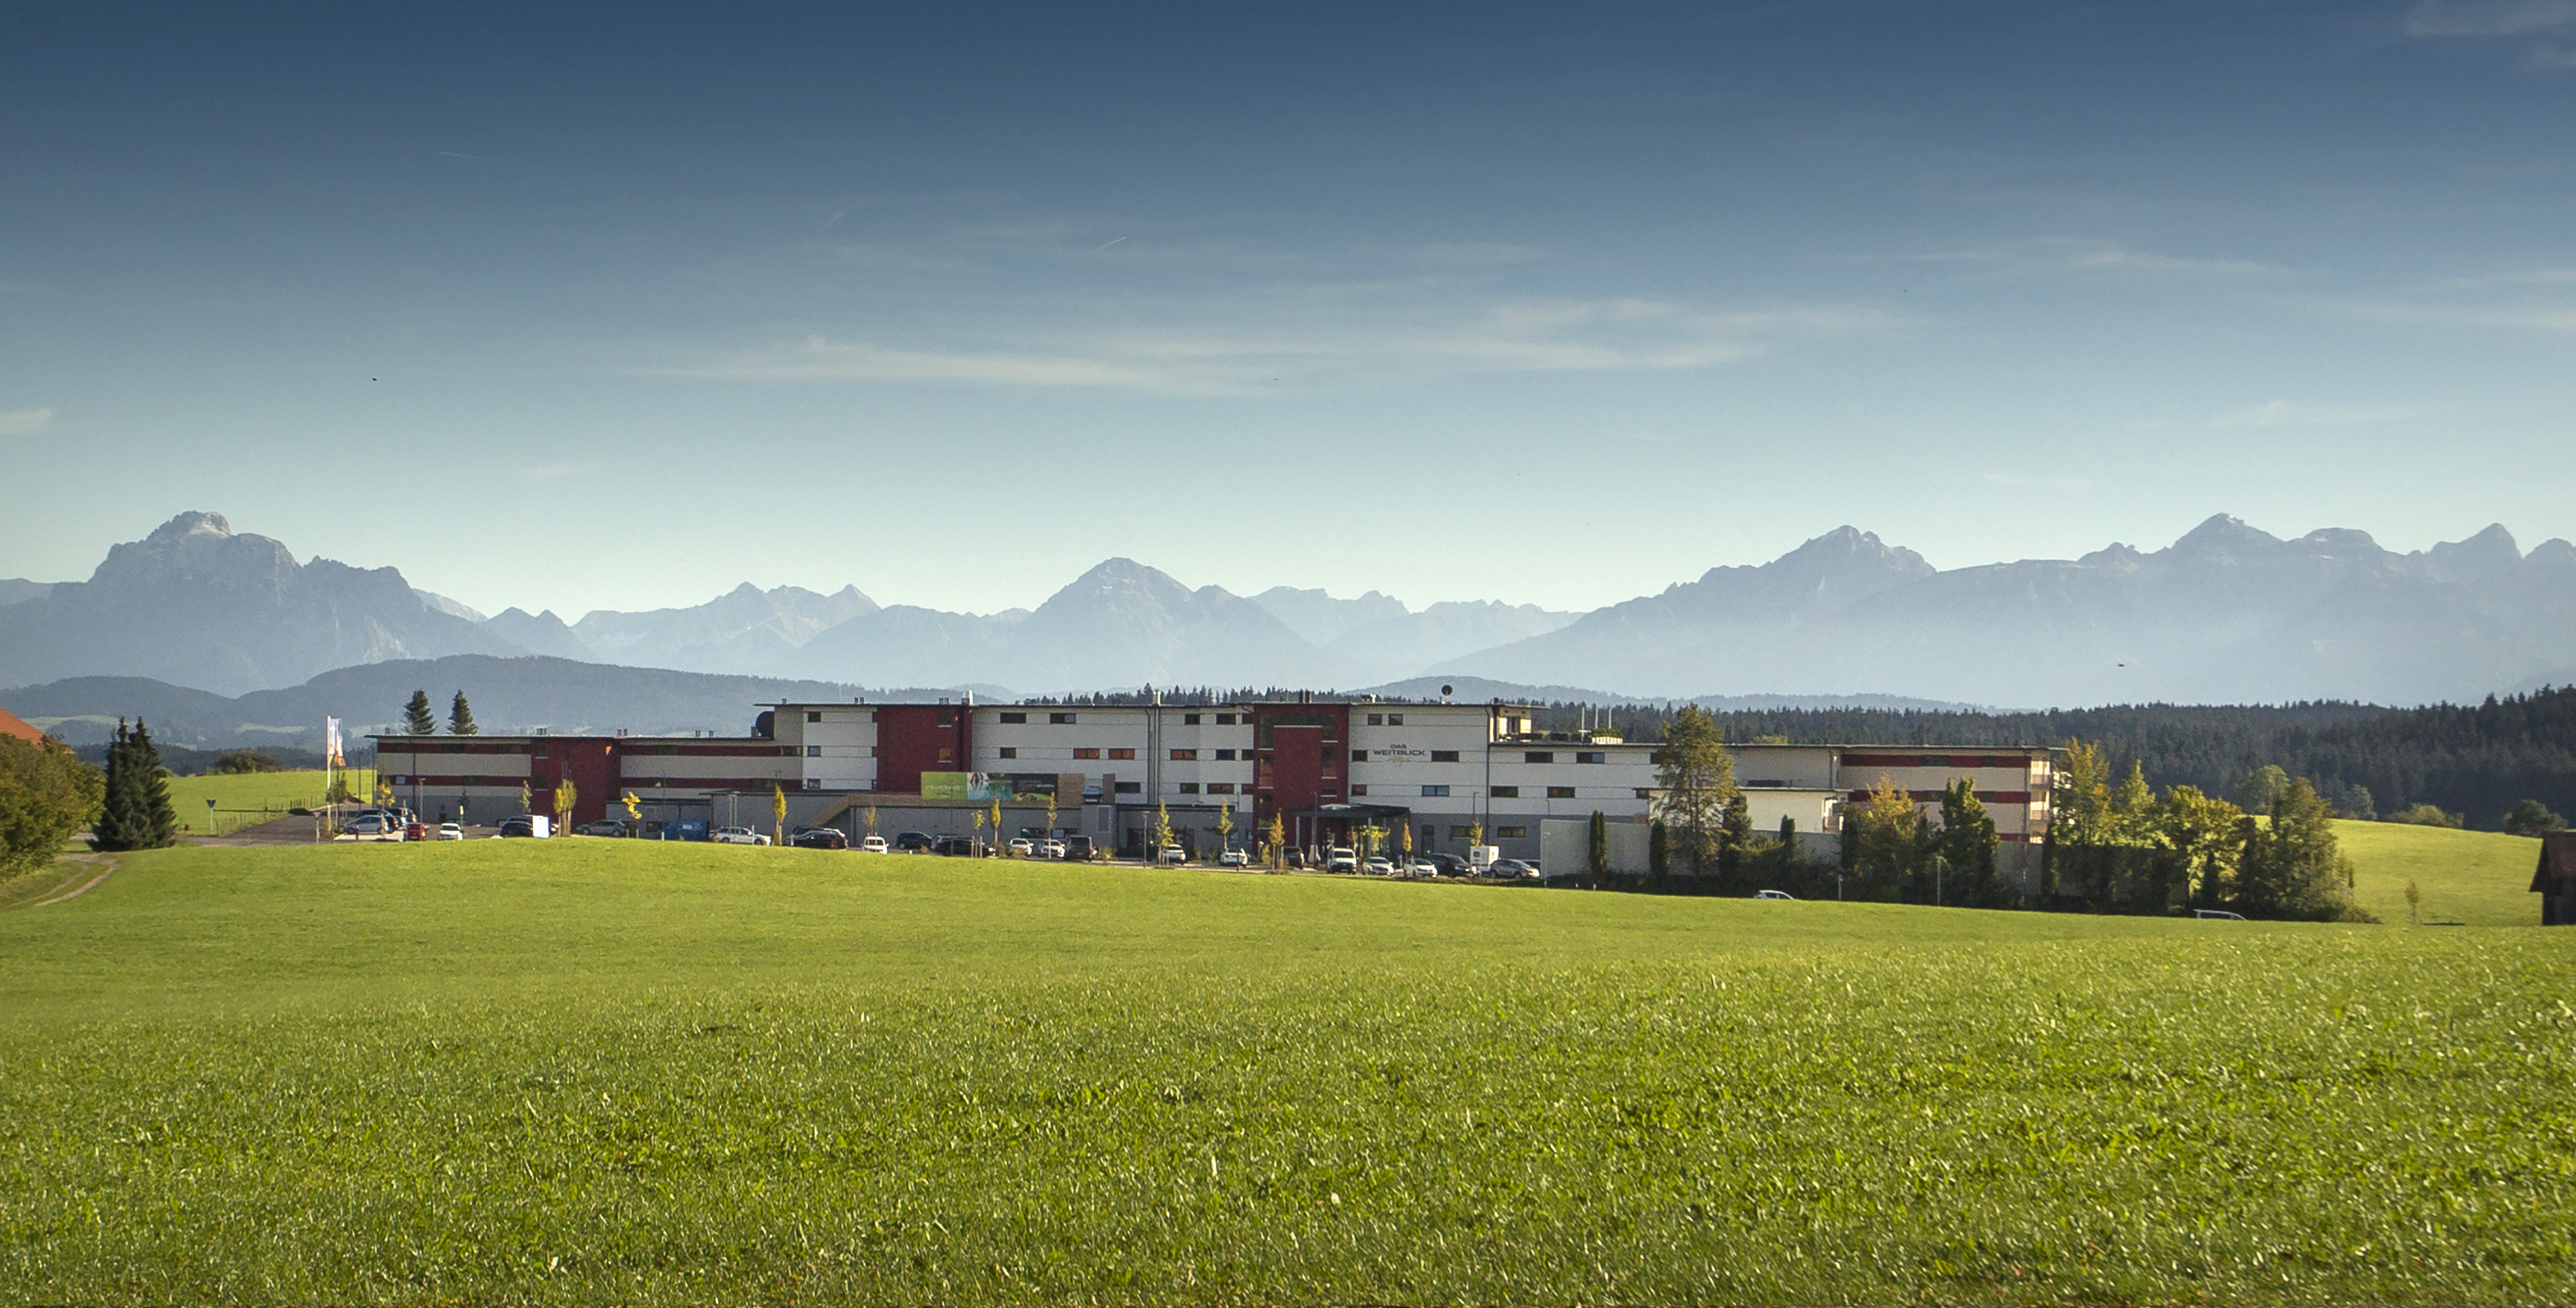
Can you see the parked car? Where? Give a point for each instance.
(1512, 869)
(954, 846)
(1051, 848)
(1378, 867)
(1078, 849)
(415, 831)
(913, 842)
(873, 845)
(1450, 865)
(1172, 854)
(1338, 859)
(1773, 894)
(739, 836)
(522, 825)
(1422, 869)
(1024, 848)
(686, 829)
(450, 831)
(1234, 858)
(603, 827)
(373, 826)
(821, 838)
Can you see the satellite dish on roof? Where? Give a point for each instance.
(1447, 691)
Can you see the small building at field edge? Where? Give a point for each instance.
(2555, 879)
(1434, 776)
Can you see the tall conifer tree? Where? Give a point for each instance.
(416, 718)
(460, 718)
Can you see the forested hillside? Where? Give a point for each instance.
(2479, 760)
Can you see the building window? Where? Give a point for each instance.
(1225, 719)
(1220, 787)
(1511, 833)
(1014, 717)
(1361, 789)
(1507, 792)
(1435, 792)
(1189, 719)
(1377, 719)
(813, 751)
(1539, 756)
(1395, 719)
(1086, 753)
(813, 717)
(1225, 756)
(1127, 754)
(1131, 787)
(1359, 756)
(947, 755)
(1560, 792)
(1589, 757)
(1459, 833)
(1189, 787)
(1185, 756)
(1010, 751)
(1643, 793)
(1444, 756)
(1060, 719)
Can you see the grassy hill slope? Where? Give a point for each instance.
(596, 1071)
(2475, 878)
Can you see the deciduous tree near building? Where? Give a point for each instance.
(1697, 777)
(47, 793)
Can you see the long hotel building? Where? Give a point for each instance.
(1322, 767)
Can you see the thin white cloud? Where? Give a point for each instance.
(1349, 340)
(25, 422)
(2488, 17)
(2522, 317)
(2062, 255)
(2284, 413)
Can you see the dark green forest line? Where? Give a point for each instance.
(2479, 760)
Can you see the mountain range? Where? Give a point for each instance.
(2227, 613)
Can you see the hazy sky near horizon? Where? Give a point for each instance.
(618, 307)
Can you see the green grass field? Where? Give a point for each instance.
(590, 1071)
(250, 798)
(2475, 878)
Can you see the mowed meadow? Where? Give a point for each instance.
(611, 1072)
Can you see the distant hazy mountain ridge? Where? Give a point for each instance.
(2227, 613)
(194, 604)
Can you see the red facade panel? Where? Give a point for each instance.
(917, 738)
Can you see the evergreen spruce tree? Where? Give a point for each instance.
(116, 822)
(135, 812)
(416, 718)
(1967, 844)
(1697, 776)
(1597, 846)
(1659, 850)
(460, 718)
(1734, 836)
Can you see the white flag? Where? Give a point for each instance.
(331, 741)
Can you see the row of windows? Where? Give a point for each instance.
(1386, 719)
(1067, 719)
(1437, 755)
(1549, 756)
(1178, 755)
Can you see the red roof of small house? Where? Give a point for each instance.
(13, 725)
(2557, 861)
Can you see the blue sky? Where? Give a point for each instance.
(619, 307)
